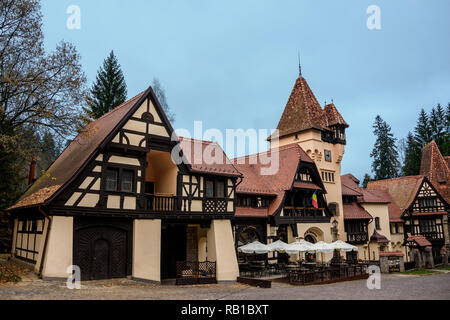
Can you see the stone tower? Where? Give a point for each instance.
(320, 132)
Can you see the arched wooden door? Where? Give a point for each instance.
(102, 249)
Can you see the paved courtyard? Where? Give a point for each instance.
(393, 286)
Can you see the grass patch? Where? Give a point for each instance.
(5, 256)
(7, 275)
(443, 268)
(419, 272)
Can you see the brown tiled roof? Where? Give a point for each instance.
(350, 187)
(436, 168)
(333, 116)
(303, 112)
(421, 241)
(251, 212)
(75, 156)
(306, 185)
(346, 191)
(279, 182)
(210, 157)
(391, 254)
(376, 237)
(401, 190)
(355, 212)
(36, 197)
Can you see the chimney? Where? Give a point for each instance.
(32, 174)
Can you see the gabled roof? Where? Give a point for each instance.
(86, 145)
(419, 240)
(278, 182)
(436, 168)
(350, 187)
(303, 112)
(401, 190)
(355, 212)
(207, 157)
(76, 155)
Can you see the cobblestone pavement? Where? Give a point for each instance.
(393, 286)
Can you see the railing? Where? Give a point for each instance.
(328, 275)
(357, 237)
(194, 272)
(303, 212)
(215, 205)
(433, 235)
(160, 203)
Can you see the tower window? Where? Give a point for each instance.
(328, 155)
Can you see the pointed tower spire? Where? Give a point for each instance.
(299, 67)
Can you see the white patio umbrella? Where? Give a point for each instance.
(346, 247)
(277, 246)
(299, 246)
(254, 247)
(323, 247)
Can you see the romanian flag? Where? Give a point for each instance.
(314, 200)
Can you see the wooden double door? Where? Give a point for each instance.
(102, 248)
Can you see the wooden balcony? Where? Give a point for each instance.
(433, 235)
(303, 212)
(160, 203)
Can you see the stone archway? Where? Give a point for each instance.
(315, 233)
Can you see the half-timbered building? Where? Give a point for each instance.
(117, 203)
(423, 209)
(280, 205)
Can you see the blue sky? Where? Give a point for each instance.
(232, 64)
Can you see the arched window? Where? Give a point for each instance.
(377, 223)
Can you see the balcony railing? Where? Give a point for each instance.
(433, 235)
(303, 212)
(215, 205)
(357, 237)
(160, 203)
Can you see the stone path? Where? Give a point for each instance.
(393, 286)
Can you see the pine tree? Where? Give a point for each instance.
(161, 95)
(423, 132)
(445, 149)
(437, 125)
(385, 163)
(366, 180)
(109, 89)
(413, 156)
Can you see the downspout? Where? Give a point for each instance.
(44, 250)
(368, 235)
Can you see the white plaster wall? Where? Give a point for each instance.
(59, 248)
(147, 249)
(221, 249)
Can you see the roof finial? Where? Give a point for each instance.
(299, 66)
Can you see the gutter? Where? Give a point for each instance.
(44, 250)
